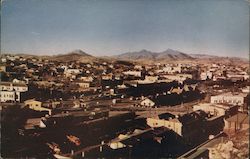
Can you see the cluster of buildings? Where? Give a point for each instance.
(93, 96)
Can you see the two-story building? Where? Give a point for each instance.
(239, 99)
(11, 92)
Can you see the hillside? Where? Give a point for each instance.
(76, 55)
(142, 55)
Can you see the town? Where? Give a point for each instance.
(64, 107)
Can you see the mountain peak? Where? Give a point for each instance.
(144, 50)
(148, 55)
(79, 52)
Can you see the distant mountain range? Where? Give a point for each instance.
(169, 54)
(143, 56)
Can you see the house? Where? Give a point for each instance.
(239, 121)
(7, 96)
(83, 84)
(9, 86)
(33, 123)
(230, 98)
(246, 89)
(87, 78)
(11, 92)
(178, 77)
(238, 76)
(151, 78)
(133, 73)
(18, 81)
(189, 125)
(107, 76)
(36, 105)
(177, 90)
(138, 67)
(72, 71)
(172, 69)
(216, 109)
(206, 75)
(2, 68)
(147, 103)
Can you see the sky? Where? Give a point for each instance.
(110, 27)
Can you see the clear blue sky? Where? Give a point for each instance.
(108, 27)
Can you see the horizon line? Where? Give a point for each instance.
(111, 55)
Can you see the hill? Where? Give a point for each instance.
(143, 55)
(76, 55)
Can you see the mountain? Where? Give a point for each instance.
(76, 55)
(169, 54)
(203, 56)
(173, 54)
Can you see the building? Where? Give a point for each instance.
(107, 76)
(206, 75)
(239, 121)
(172, 69)
(216, 109)
(238, 76)
(83, 84)
(179, 77)
(18, 81)
(9, 86)
(2, 68)
(147, 103)
(189, 125)
(72, 71)
(230, 98)
(11, 92)
(151, 78)
(9, 96)
(87, 78)
(133, 73)
(246, 89)
(36, 105)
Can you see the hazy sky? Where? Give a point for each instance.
(108, 27)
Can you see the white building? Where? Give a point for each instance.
(206, 75)
(151, 78)
(230, 98)
(87, 78)
(9, 86)
(2, 68)
(172, 69)
(179, 77)
(147, 103)
(6, 96)
(83, 84)
(70, 72)
(133, 73)
(246, 89)
(215, 109)
(11, 91)
(36, 105)
(173, 124)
